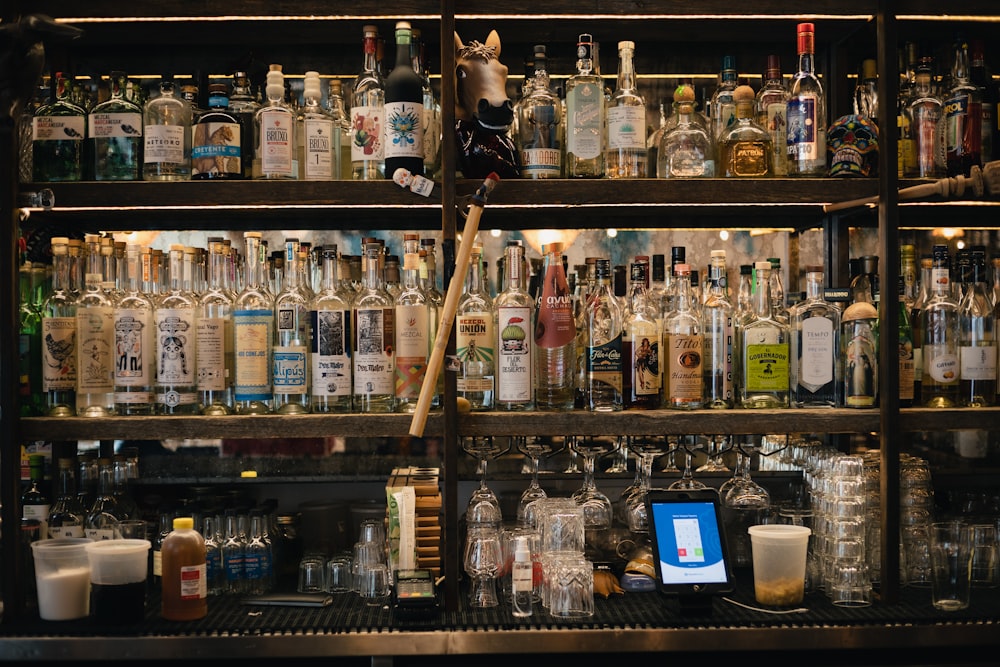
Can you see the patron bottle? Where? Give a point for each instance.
(764, 350)
(538, 125)
(806, 137)
(585, 116)
(253, 320)
(603, 362)
(290, 354)
(374, 337)
(413, 328)
(555, 335)
(114, 135)
(367, 115)
(274, 132)
(687, 149)
(940, 328)
(474, 337)
(135, 343)
(330, 354)
(58, 132)
(626, 143)
(815, 329)
(167, 136)
(404, 110)
(744, 147)
(514, 309)
(95, 389)
(978, 344)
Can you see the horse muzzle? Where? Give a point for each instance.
(495, 117)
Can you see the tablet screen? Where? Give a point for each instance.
(689, 543)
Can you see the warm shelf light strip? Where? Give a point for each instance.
(947, 18)
(222, 207)
(188, 19)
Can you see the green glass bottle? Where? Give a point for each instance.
(114, 135)
(58, 132)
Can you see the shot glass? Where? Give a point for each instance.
(374, 584)
(339, 574)
(312, 575)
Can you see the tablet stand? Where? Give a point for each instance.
(696, 605)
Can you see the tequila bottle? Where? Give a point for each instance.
(626, 143)
(963, 116)
(916, 318)
(342, 127)
(135, 342)
(404, 110)
(244, 106)
(114, 135)
(859, 353)
(745, 148)
(431, 123)
(367, 119)
(642, 345)
(683, 348)
(772, 113)
(764, 350)
(101, 521)
(274, 132)
(539, 118)
(686, 147)
(428, 280)
(806, 137)
(58, 133)
(474, 337)
(906, 360)
(290, 354)
(59, 336)
(253, 322)
(216, 146)
(373, 337)
(514, 309)
(318, 139)
(330, 354)
(66, 514)
(927, 125)
(555, 335)
(215, 334)
(176, 342)
(413, 328)
(95, 395)
(940, 329)
(585, 116)
(978, 343)
(603, 361)
(815, 328)
(167, 136)
(723, 103)
(719, 336)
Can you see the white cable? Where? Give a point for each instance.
(797, 610)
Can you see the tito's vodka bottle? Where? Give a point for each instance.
(253, 319)
(95, 391)
(626, 121)
(367, 109)
(474, 337)
(586, 115)
(806, 139)
(555, 335)
(683, 348)
(374, 338)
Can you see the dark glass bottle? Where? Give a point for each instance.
(67, 513)
(404, 110)
(217, 143)
(114, 136)
(35, 499)
(58, 133)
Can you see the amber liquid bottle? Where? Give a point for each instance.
(184, 586)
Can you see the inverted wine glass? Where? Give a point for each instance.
(484, 506)
(647, 449)
(597, 509)
(534, 448)
(482, 562)
(713, 459)
(687, 482)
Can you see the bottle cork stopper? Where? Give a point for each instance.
(743, 94)
(684, 93)
(869, 69)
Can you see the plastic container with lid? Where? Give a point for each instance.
(184, 583)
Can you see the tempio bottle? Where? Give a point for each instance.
(114, 135)
(59, 336)
(274, 132)
(176, 342)
(290, 355)
(253, 319)
(374, 338)
(367, 115)
(806, 137)
(626, 121)
(815, 325)
(184, 584)
(95, 388)
(167, 134)
(586, 115)
(555, 335)
(764, 350)
(514, 309)
(58, 131)
(539, 118)
(474, 337)
(940, 328)
(330, 354)
(413, 328)
(404, 110)
(216, 147)
(603, 361)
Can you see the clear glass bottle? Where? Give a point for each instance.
(114, 135)
(330, 311)
(66, 514)
(764, 350)
(474, 336)
(626, 143)
(963, 119)
(815, 328)
(274, 132)
(373, 336)
(980, 76)
(404, 110)
(686, 148)
(128, 508)
(916, 319)
(58, 132)
(176, 343)
(683, 348)
(87, 478)
(135, 342)
(290, 354)
(31, 287)
(167, 136)
(555, 335)
(215, 334)
(940, 327)
(428, 280)
(806, 115)
(59, 338)
(431, 123)
(243, 105)
(653, 142)
(745, 148)
(101, 521)
(367, 115)
(772, 113)
(514, 310)
(233, 554)
(538, 126)
(779, 306)
(95, 391)
(586, 116)
(217, 151)
(603, 361)
(927, 126)
(342, 127)
(215, 577)
(642, 345)
(25, 133)
(723, 103)
(978, 344)
(859, 354)
(253, 321)
(318, 139)
(413, 329)
(718, 324)
(255, 558)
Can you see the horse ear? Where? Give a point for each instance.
(458, 43)
(494, 41)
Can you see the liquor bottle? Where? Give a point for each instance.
(330, 354)
(686, 148)
(135, 343)
(66, 514)
(166, 524)
(167, 136)
(940, 328)
(101, 522)
(255, 558)
(602, 343)
(31, 286)
(474, 337)
(906, 347)
(585, 116)
(642, 344)
(683, 348)
(916, 317)
(95, 395)
(367, 119)
(25, 132)
(431, 122)
(980, 77)
(290, 352)
(978, 343)
(907, 84)
(216, 147)
(555, 335)
(391, 276)
(244, 106)
(745, 148)
(653, 142)
(274, 132)
(538, 126)
(772, 113)
(626, 143)
(214, 334)
(114, 135)
(373, 336)
(175, 320)
(215, 577)
(963, 113)
(514, 309)
(719, 335)
(413, 328)
(233, 554)
(342, 130)
(253, 320)
(815, 329)
(404, 110)
(777, 288)
(859, 353)
(35, 501)
(806, 115)
(764, 350)
(184, 586)
(58, 131)
(927, 126)
(318, 139)
(125, 501)
(87, 479)
(723, 103)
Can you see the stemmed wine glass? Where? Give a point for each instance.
(534, 449)
(482, 561)
(744, 504)
(484, 506)
(597, 510)
(687, 482)
(713, 462)
(672, 448)
(647, 449)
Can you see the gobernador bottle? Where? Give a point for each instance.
(764, 350)
(538, 124)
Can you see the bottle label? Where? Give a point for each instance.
(288, 369)
(749, 158)
(603, 364)
(134, 347)
(403, 134)
(115, 125)
(216, 150)
(331, 361)
(252, 336)
(684, 367)
(775, 122)
(907, 372)
(474, 341)
(541, 162)
(58, 353)
(554, 325)
(918, 364)
(58, 128)
(585, 124)
(176, 354)
(366, 134)
(803, 133)
(317, 147)
(860, 363)
(942, 366)
(164, 144)
(817, 355)
(963, 126)
(978, 362)
(514, 379)
(374, 357)
(98, 534)
(521, 576)
(194, 585)
(211, 338)
(95, 328)
(412, 347)
(56, 532)
(627, 128)
(766, 367)
(276, 148)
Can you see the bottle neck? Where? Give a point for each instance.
(515, 269)
(403, 39)
(762, 296)
(329, 280)
(411, 270)
(370, 60)
(474, 280)
(626, 73)
(814, 285)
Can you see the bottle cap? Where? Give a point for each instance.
(760, 266)
(311, 86)
(718, 253)
(521, 552)
(773, 66)
(183, 523)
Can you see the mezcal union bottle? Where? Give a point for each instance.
(274, 132)
(404, 110)
(978, 344)
(642, 347)
(940, 328)
(135, 346)
(719, 332)
(374, 337)
(215, 334)
(603, 362)
(764, 350)
(167, 136)
(683, 353)
(95, 389)
(514, 309)
(539, 117)
(806, 115)
(253, 320)
(367, 114)
(815, 325)
(58, 131)
(330, 354)
(626, 121)
(114, 135)
(474, 337)
(413, 328)
(176, 343)
(290, 355)
(555, 335)
(586, 115)
(59, 336)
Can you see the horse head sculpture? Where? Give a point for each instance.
(22, 58)
(483, 111)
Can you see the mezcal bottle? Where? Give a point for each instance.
(244, 107)
(539, 118)
(167, 136)
(413, 327)
(95, 389)
(474, 337)
(66, 514)
(290, 355)
(719, 335)
(58, 131)
(815, 325)
(586, 115)
(215, 334)
(114, 135)
(274, 133)
(626, 143)
(723, 103)
(216, 146)
(764, 350)
(318, 139)
(330, 354)
(253, 321)
(59, 336)
(603, 361)
(367, 115)
(404, 110)
(176, 343)
(135, 346)
(514, 309)
(978, 344)
(772, 113)
(428, 280)
(373, 338)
